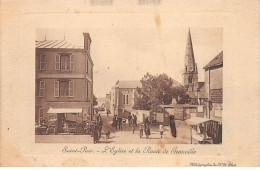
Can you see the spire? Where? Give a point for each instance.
(190, 65)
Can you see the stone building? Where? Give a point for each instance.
(190, 75)
(123, 96)
(64, 82)
(214, 87)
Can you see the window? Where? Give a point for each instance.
(42, 62)
(63, 89)
(125, 101)
(40, 88)
(65, 62)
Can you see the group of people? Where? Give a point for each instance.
(132, 120)
(117, 122)
(145, 128)
(97, 130)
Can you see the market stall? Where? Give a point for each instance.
(198, 130)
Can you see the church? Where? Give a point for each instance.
(190, 75)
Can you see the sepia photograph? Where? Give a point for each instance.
(83, 96)
(137, 83)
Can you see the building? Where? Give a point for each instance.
(123, 96)
(214, 87)
(64, 82)
(190, 75)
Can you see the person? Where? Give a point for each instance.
(99, 118)
(147, 131)
(161, 130)
(116, 121)
(95, 133)
(141, 131)
(100, 128)
(172, 126)
(133, 127)
(129, 119)
(120, 120)
(146, 121)
(107, 112)
(135, 120)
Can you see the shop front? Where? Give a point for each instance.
(65, 120)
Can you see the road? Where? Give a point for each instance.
(124, 136)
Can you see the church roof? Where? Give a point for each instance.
(218, 60)
(190, 64)
(129, 84)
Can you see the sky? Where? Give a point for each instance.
(128, 54)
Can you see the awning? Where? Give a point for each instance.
(196, 120)
(65, 110)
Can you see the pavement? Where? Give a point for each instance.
(124, 136)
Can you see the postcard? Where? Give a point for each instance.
(135, 83)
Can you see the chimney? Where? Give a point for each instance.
(86, 39)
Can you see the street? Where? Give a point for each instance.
(124, 136)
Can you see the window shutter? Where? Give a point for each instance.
(56, 89)
(57, 62)
(72, 62)
(124, 100)
(42, 89)
(42, 62)
(71, 88)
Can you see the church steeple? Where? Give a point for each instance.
(190, 75)
(190, 65)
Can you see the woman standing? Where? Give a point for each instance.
(141, 131)
(173, 127)
(95, 133)
(147, 131)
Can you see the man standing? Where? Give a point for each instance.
(120, 122)
(100, 128)
(116, 121)
(129, 119)
(135, 120)
(99, 118)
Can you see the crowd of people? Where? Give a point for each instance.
(144, 128)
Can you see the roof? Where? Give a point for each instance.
(65, 110)
(196, 120)
(129, 84)
(61, 44)
(218, 60)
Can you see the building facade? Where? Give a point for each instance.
(64, 82)
(214, 87)
(123, 96)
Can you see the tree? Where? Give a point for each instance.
(95, 103)
(157, 90)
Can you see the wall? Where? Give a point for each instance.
(215, 81)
